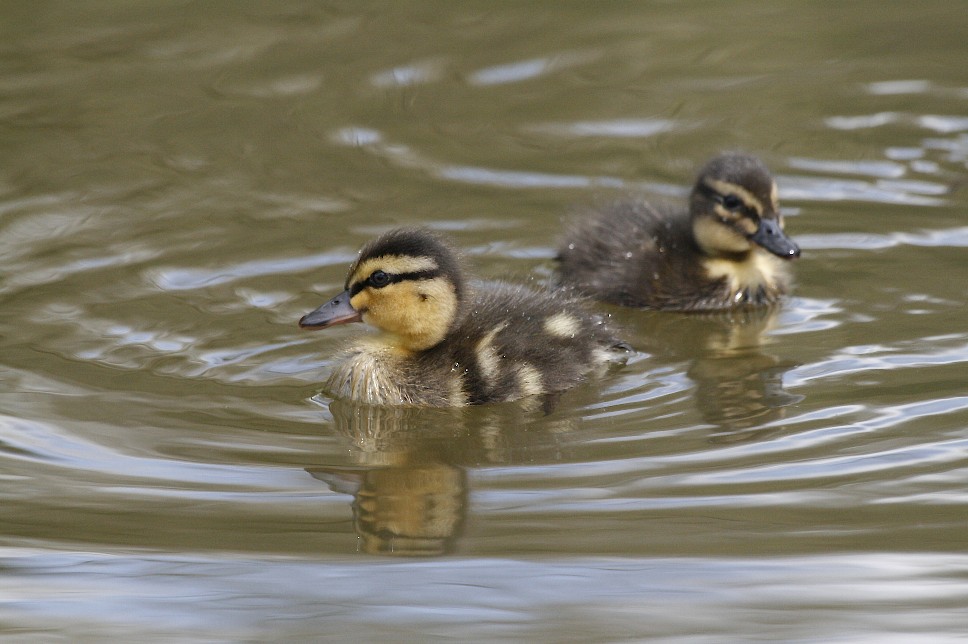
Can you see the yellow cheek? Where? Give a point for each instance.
(419, 312)
(360, 301)
(378, 306)
(715, 238)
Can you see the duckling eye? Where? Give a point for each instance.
(732, 202)
(378, 279)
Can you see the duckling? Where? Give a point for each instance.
(729, 251)
(446, 342)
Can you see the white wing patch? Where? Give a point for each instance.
(530, 380)
(487, 359)
(562, 325)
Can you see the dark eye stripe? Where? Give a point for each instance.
(745, 209)
(718, 198)
(393, 278)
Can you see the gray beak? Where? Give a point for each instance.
(771, 237)
(337, 311)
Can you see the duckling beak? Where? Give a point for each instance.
(337, 311)
(771, 237)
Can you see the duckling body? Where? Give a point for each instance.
(728, 251)
(444, 342)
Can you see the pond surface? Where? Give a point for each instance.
(181, 182)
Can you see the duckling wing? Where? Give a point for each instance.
(630, 254)
(515, 341)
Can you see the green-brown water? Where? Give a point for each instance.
(180, 182)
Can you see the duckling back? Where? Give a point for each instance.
(634, 254)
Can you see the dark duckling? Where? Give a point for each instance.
(728, 251)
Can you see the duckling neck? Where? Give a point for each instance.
(411, 344)
(737, 258)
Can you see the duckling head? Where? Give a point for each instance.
(406, 283)
(734, 209)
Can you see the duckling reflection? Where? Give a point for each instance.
(739, 386)
(409, 481)
(409, 509)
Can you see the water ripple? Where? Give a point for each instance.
(883, 169)
(44, 443)
(518, 179)
(885, 190)
(949, 237)
(892, 88)
(618, 128)
(941, 123)
(527, 69)
(182, 279)
(419, 73)
(866, 359)
(808, 315)
(494, 598)
(843, 467)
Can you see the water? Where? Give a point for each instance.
(180, 183)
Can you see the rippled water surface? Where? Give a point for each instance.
(180, 182)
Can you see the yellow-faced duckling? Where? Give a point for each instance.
(728, 251)
(445, 342)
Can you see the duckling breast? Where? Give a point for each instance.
(760, 278)
(364, 376)
(377, 374)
